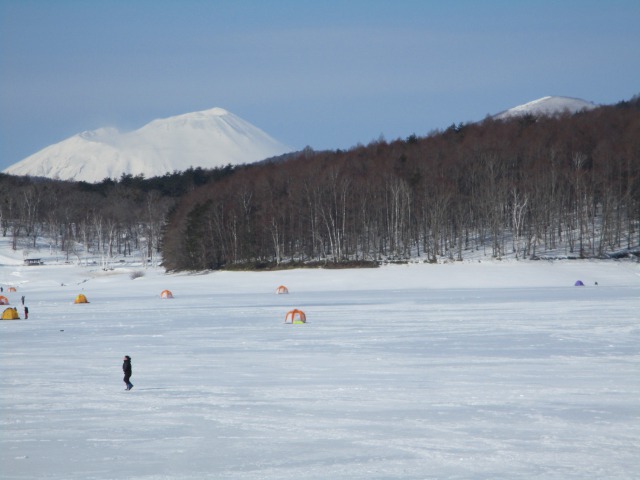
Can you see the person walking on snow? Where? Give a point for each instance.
(26, 312)
(126, 368)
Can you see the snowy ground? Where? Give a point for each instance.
(466, 370)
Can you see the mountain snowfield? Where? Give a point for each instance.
(547, 106)
(207, 139)
(466, 370)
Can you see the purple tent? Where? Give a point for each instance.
(579, 283)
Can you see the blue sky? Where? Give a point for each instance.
(327, 74)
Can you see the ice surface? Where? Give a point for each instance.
(466, 370)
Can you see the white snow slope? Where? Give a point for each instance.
(207, 139)
(547, 106)
(478, 370)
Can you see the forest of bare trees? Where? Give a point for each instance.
(527, 187)
(105, 220)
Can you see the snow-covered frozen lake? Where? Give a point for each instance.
(472, 370)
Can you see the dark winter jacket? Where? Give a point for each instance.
(126, 367)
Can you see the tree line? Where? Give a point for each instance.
(526, 186)
(108, 219)
(529, 187)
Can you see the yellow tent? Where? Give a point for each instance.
(81, 299)
(282, 289)
(295, 316)
(4, 300)
(166, 294)
(10, 314)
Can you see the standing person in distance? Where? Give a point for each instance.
(126, 368)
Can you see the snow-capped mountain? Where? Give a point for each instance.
(547, 106)
(207, 139)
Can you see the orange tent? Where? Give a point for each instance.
(81, 299)
(4, 300)
(281, 289)
(295, 316)
(11, 289)
(166, 294)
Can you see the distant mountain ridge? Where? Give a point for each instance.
(208, 139)
(550, 105)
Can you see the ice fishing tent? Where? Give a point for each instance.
(11, 289)
(10, 314)
(281, 289)
(81, 299)
(295, 316)
(166, 294)
(4, 300)
(579, 283)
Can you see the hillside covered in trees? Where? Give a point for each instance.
(526, 187)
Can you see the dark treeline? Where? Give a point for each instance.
(109, 218)
(525, 187)
(528, 187)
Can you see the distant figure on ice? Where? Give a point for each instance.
(23, 299)
(126, 368)
(26, 312)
